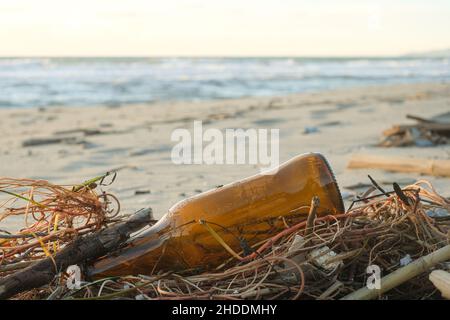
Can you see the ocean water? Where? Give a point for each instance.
(42, 82)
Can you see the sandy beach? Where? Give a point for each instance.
(135, 139)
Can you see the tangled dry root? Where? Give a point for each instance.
(384, 230)
(51, 215)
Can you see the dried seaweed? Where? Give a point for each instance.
(382, 230)
(52, 216)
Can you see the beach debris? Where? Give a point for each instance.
(89, 247)
(439, 212)
(229, 220)
(425, 133)
(330, 123)
(70, 136)
(432, 167)
(140, 192)
(402, 275)
(53, 215)
(323, 257)
(50, 210)
(441, 280)
(332, 290)
(33, 142)
(405, 260)
(377, 231)
(296, 245)
(309, 130)
(385, 181)
(88, 131)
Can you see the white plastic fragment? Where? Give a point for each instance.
(296, 245)
(438, 212)
(405, 260)
(323, 256)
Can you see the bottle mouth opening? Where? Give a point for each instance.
(340, 204)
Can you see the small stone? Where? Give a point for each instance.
(309, 130)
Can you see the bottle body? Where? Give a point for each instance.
(242, 214)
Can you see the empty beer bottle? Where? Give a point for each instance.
(203, 231)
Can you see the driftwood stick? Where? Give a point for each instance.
(82, 249)
(419, 119)
(401, 164)
(15, 266)
(402, 275)
(441, 280)
(312, 215)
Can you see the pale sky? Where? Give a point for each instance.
(222, 28)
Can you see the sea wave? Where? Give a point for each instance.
(28, 82)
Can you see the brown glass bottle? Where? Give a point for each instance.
(242, 213)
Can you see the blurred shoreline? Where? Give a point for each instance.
(135, 139)
(44, 82)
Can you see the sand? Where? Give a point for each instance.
(136, 139)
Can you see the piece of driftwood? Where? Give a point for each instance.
(430, 167)
(87, 132)
(441, 280)
(33, 142)
(82, 249)
(438, 127)
(402, 275)
(15, 266)
(312, 215)
(426, 132)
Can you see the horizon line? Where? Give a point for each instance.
(429, 53)
(207, 56)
